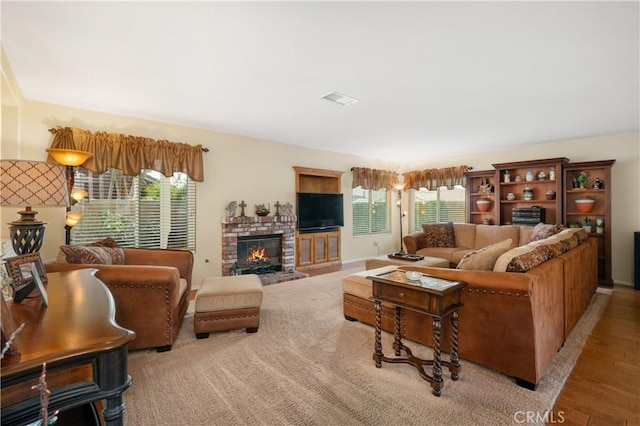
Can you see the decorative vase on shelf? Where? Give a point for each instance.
(511, 196)
(483, 204)
(585, 204)
(600, 225)
(550, 194)
(529, 176)
(527, 194)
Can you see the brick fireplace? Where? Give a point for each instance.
(234, 228)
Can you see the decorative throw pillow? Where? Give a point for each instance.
(582, 235)
(93, 255)
(439, 234)
(556, 247)
(537, 256)
(105, 242)
(484, 258)
(544, 230)
(521, 254)
(566, 238)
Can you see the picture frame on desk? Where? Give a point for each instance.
(8, 326)
(39, 285)
(19, 269)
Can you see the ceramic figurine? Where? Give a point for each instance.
(231, 208)
(598, 184)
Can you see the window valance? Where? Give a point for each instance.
(131, 154)
(373, 179)
(431, 179)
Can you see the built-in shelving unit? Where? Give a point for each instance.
(474, 193)
(542, 177)
(601, 209)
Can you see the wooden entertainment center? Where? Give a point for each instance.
(317, 249)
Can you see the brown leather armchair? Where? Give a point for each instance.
(151, 292)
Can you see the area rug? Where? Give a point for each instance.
(308, 366)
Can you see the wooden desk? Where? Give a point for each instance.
(438, 298)
(79, 340)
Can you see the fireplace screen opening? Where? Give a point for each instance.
(259, 254)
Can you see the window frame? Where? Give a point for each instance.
(124, 202)
(462, 216)
(370, 208)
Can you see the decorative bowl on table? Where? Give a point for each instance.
(585, 205)
(413, 275)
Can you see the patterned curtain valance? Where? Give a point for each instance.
(373, 179)
(431, 179)
(131, 154)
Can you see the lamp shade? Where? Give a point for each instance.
(69, 157)
(72, 218)
(78, 194)
(32, 183)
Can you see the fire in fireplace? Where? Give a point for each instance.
(259, 254)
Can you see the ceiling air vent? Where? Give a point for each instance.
(339, 98)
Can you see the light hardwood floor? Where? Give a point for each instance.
(604, 386)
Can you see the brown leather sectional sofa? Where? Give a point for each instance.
(513, 322)
(151, 292)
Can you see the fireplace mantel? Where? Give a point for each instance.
(242, 226)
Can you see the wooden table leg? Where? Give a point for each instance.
(454, 366)
(437, 383)
(397, 336)
(377, 349)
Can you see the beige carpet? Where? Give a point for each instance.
(308, 366)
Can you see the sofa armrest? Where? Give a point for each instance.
(415, 241)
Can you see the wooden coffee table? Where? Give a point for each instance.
(435, 297)
(385, 260)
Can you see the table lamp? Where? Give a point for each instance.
(30, 183)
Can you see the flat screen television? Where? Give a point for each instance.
(319, 211)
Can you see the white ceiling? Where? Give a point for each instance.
(434, 79)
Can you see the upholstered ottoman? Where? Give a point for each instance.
(228, 303)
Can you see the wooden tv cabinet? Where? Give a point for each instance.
(317, 249)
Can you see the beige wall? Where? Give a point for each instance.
(236, 168)
(256, 171)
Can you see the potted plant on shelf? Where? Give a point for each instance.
(586, 224)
